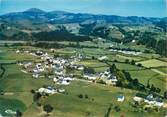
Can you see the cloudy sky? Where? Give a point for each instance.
(148, 8)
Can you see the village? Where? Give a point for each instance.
(61, 77)
(56, 68)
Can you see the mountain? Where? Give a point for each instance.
(35, 15)
(39, 24)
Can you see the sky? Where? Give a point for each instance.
(146, 8)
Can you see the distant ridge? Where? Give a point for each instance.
(63, 17)
(35, 10)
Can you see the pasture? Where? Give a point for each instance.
(99, 96)
(153, 63)
(99, 99)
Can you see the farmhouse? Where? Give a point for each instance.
(61, 90)
(63, 82)
(48, 90)
(26, 65)
(90, 76)
(137, 99)
(103, 58)
(153, 101)
(112, 80)
(35, 75)
(39, 53)
(126, 52)
(17, 51)
(108, 78)
(120, 98)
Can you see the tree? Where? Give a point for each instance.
(18, 113)
(80, 96)
(89, 70)
(153, 89)
(117, 108)
(139, 65)
(36, 96)
(119, 83)
(127, 75)
(135, 82)
(165, 94)
(133, 62)
(47, 108)
(32, 91)
(86, 96)
(148, 85)
(113, 68)
(158, 90)
(93, 57)
(127, 61)
(115, 60)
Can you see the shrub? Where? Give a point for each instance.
(47, 108)
(80, 96)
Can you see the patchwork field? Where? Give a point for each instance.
(17, 86)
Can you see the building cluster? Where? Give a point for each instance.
(150, 100)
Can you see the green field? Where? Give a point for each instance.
(99, 96)
(164, 69)
(99, 99)
(153, 63)
(19, 84)
(12, 104)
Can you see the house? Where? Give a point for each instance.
(39, 53)
(48, 90)
(59, 72)
(68, 79)
(63, 82)
(61, 90)
(120, 98)
(154, 101)
(90, 76)
(35, 75)
(108, 78)
(80, 67)
(26, 65)
(112, 80)
(159, 102)
(36, 70)
(137, 99)
(10, 112)
(103, 58)
(17, 51)
(52, 50)
(55, 79)
(149, 99)
(105, 75)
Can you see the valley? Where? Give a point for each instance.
(62, 64)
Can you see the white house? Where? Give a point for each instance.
(149, 99)
(59, 72)
(120, 98)
(61, 90)
(35, 75)
(26, 65)
(112, 80)
(68, 79)
(137, 99)
(103, 58)
(63, 82)
(17, 51)
(47, 90)
(90, 76)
